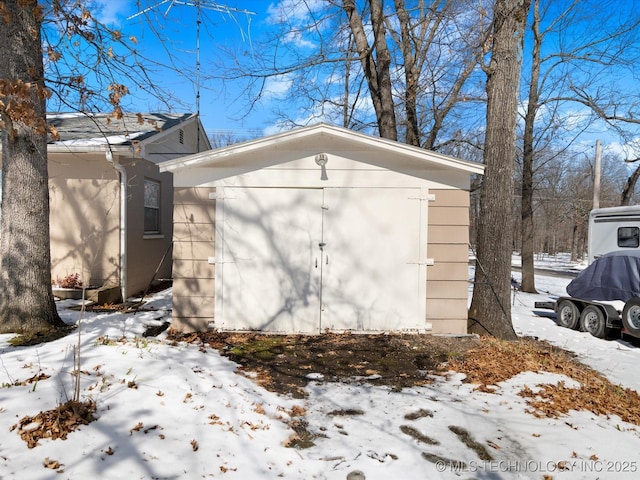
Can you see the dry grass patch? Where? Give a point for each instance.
(596, 395)
(495, 361)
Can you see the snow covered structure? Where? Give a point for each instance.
(321, 228)
(111, 207)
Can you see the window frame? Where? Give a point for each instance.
(147, 207)
(628, 237)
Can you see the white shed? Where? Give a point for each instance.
(321, 229)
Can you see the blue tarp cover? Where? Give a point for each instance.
(614, 276)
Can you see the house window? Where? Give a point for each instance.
(151, 206)
(629, 237)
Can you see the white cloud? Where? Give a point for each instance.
(277, 87)
(295, 37)
(628, 151)
(292, 11)
(276, 128)
(297, 17)
(111, 12)
(576, 119)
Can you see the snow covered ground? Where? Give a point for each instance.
(173, 411)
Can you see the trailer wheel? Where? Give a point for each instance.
(568, 315)
(593, 321)
(631, 317)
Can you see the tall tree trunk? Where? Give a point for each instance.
(377, 68)
(26, 299)
(527, 226)
(574, 242)
(630, 187)
(411, 76)
(490, 311)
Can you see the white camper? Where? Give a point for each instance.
(613, 229)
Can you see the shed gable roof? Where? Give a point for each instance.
(323, 138)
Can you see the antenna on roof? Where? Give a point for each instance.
(199, 4)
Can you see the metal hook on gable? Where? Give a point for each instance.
(321, 160)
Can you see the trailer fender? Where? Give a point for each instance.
(612, 316)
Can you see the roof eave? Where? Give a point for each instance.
(66, 148)
(214, 157)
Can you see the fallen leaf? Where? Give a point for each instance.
(147, 430)
(52, 464)
(137, 428)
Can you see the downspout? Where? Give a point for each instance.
(122, 173)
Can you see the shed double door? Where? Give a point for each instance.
(310, 260)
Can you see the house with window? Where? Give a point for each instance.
(111, 208)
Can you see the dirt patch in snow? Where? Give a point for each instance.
(286, 363)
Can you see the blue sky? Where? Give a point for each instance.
(176, 22)
(222, 107)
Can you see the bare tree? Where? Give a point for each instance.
(408, 69)
(527, 227)
(584, 58)
(426, 33)
(630, 185)
(222, 138)
(578, 188)
(563, 196)
(87, 68)
(490, 311)
(376, 63)
(26, 299)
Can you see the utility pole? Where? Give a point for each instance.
(596, 177)
(199, 5)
